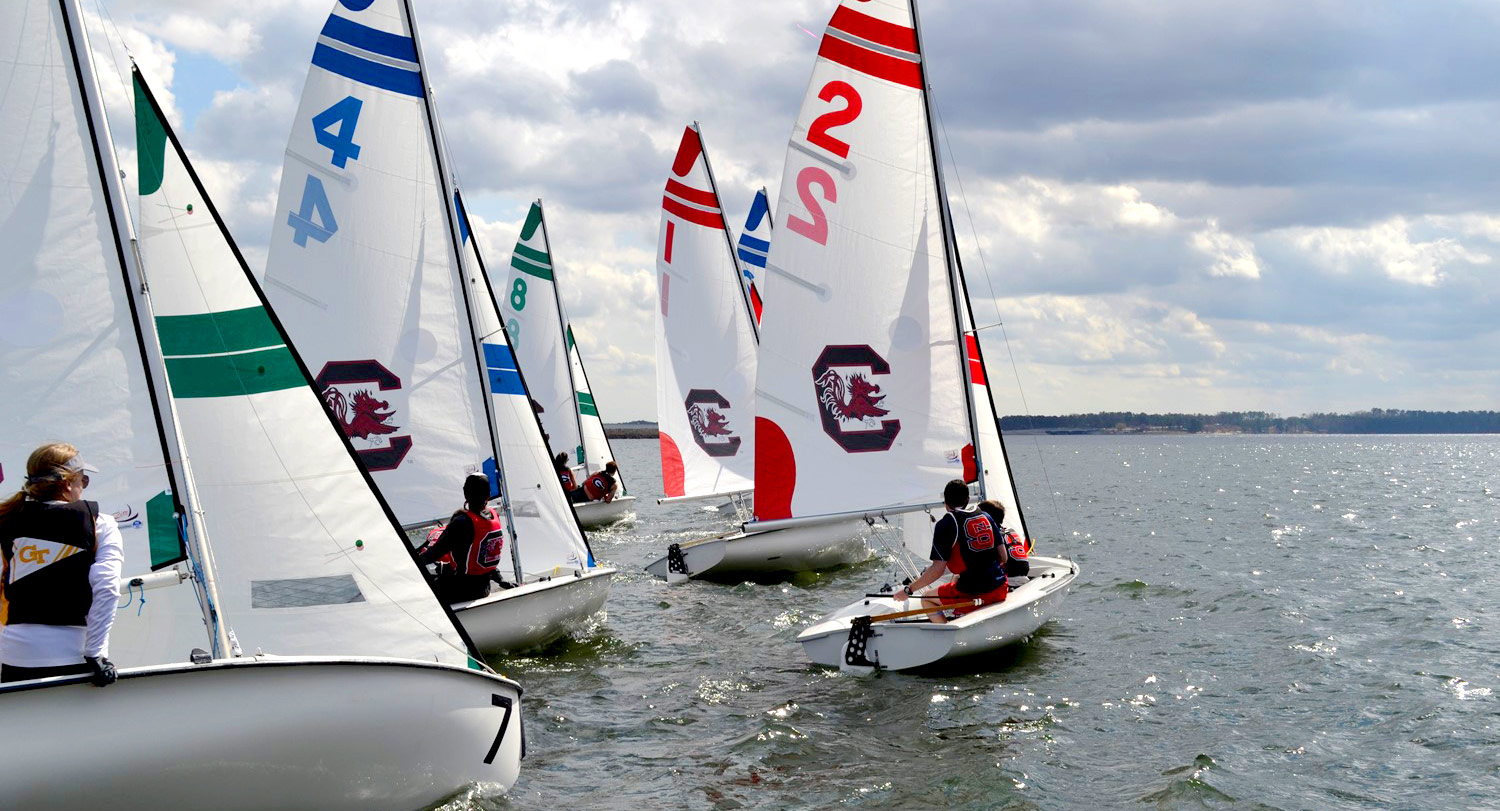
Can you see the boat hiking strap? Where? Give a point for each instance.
(675, 562)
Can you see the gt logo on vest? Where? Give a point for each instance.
(849, 402)
(32, 554)
(705, 409)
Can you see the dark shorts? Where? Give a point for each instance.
(949, 591)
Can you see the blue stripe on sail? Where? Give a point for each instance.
(374, 74)
(756, 259)
(747, 241)
(500, 367)
(463, 222)
(370, 39)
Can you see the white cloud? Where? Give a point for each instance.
(1387, 246)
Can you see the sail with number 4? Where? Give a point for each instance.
(705, 338)
(861, 400)
(363, 270)
(754, 247)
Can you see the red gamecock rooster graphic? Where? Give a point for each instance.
(708, 422)
(863, 402)
(368, 416)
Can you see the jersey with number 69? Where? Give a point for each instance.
(972, 546)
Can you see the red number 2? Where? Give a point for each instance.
(817, 230)
(817, 134)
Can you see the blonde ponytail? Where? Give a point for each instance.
(47, 476)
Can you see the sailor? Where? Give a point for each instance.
(1016, 549)
(565, 474)
(969, 544)
(601, 486)
(468, 549)
(61, 573)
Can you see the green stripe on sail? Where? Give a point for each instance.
(571, 343)
(586, 405)
(162, 532)
(215, 333)
(530, 269)
(539, 257)
(233, 375)
(150, 143)
(533, 219)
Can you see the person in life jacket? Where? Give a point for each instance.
(968, 543)
(564, 474)
(601, 486)
(61, 573)
(1017, 550)
(469, 549)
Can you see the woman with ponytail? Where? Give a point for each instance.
(61, 573)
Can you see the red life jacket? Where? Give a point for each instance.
(597, 486)
(489, 540)
(566, 477)
(1014, 545)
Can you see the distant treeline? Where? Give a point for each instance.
(1374, 421)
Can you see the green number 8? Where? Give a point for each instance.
(518, 294)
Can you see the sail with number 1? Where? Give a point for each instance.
(530, 303)
(368, 271)
(312, 599)
(871, 371)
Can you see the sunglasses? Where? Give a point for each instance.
(85, 480)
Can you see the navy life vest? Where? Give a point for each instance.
(48, 550)
(980, 561)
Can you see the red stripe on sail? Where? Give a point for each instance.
(871, 63)
(687, 152)
(775, 471)
(755, 302)
(692, 195)
(666, 287)
(976, 366)
(891, 35)
(711, 219)
(667, 248)
(673, 478)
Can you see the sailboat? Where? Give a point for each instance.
(706, 350)
(373, 271)
(871, 392)
(317, 634)
(531, 305)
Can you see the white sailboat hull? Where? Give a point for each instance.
(794, 549)
(264, 732)
(898, 644)
(534, 614)
(596, 514)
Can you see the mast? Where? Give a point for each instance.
(950, 251)
(457, 245)
(734, 260)
(572, 346)
(562, 320)
(118, 212)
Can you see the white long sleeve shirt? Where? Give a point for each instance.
(32, 645)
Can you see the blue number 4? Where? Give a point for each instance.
(346, 115)
(314, 203)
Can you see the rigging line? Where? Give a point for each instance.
(900, 555)
(119, 72)
(994, 301)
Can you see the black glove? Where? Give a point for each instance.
(104, 671)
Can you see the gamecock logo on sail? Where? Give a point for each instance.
(366, 420)
(850, 404)
(705, 412)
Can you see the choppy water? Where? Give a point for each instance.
(1261, 622)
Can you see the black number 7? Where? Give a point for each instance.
(499, 701)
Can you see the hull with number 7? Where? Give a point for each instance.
(266, 732)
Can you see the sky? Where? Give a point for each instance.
(1162, 205)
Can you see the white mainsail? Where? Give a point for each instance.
(860, 399)
(705, 338)
(548, 538)
(754, 247)
(363, 271)
(72, 366)
(310, 560)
